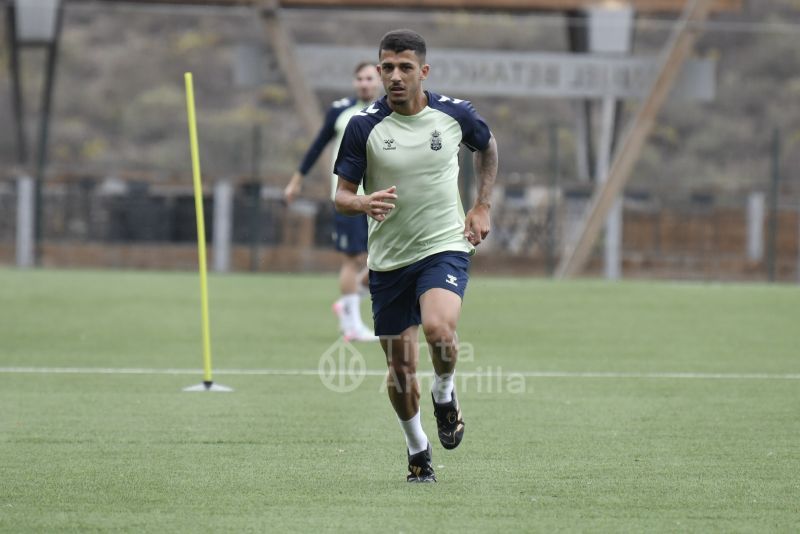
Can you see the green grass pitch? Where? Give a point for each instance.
(694, 427)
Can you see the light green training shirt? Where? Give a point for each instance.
(419, 155)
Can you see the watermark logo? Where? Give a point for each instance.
(342, 368)
(489, 380)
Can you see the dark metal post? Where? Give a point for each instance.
(772, 229)
(16, 88)
(44, 127)
(578, 42)
(550, 224)
(255, 218)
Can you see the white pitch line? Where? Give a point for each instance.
(315, 372)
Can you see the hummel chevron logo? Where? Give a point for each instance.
(448, 99)
(371, 110)
(452, 280)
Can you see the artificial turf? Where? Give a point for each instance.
(688, 418)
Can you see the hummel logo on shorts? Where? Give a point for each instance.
(452, 280)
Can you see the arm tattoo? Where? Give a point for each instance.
(486, 168)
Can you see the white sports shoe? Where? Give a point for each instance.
(361, 333)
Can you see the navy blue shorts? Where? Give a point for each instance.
(395, 294)
(350, 233)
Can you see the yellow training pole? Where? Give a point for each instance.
(201, 227)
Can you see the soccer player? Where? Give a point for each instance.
(403, 150)
(350, 234)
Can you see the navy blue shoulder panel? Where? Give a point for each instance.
(351, 162)
(337, 108)
(326, 133)
(475, 133)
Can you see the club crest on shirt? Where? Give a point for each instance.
(436, 140)
(388, 144)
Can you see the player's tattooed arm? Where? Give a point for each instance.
(486, 162)
(477, 223)
(377, 205)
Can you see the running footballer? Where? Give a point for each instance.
(403, 149)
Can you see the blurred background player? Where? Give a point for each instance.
(350, 233)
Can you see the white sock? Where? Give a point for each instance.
(352, 311)
(344, 325)
(416, 440)
(442, 387)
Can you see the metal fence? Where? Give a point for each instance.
(715, 195)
